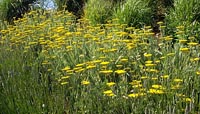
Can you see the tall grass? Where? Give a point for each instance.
(98, 12)
(50, 64)
(184, 13)
(134, 13)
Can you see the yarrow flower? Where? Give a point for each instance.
(85, 82)
(110, 84)
(106, 71)
(184, 49)
(147, 55)
(109, 93)
(120, 71)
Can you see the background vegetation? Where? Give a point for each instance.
(52, 61)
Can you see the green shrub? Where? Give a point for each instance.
(134, 13)
(14, 8)
(98, 11)
(185, 13)
(73, 6)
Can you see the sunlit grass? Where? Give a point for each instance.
(51, 64)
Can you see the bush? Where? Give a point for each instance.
(73, 6)
(134, 13)
(98, 11)
(14, 8)
(184, 13)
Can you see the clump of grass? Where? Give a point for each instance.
(184, 13)
(98, 12)
(134, 13)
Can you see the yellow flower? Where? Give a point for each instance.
(150, 65)
(91, 67)
(80, 70)
(168, 38)
(154, 78)
(182, 41)
(151, 70)
(106, 71)
(65, 77)
(147, 55)
(104, 63)
(64, 83)
(187, 99)
(156, 86)
(110, 84)
(97, 61)
(192, 44)
(179, 32)
(119, 66)
(160, 22)
(137, 86)
(130, 28)
(163, 57)
(109, 93)
(177, 86)
(157, 61)
(85, 82)
(194, 59)
(156, 91)
(120, 71)
(144, 77)
(180, 27)
(135, 82)
(79, 65)
(178, 80)
(184, 49)
(198, 72)
(148, 62)
(77, 68)
(165, 76)
(133, 95)
(170, 54)
(124, 60)
(66, 68)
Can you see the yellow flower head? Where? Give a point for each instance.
(156, 91)
(198, 72)
(109, 93)
(120, 71)
(85, 82)
(156, 86)
(64, 83)
(178, 80)
(147, 55)
(65, 77)
(105, 71)
(165, 76)
(133, 95)
(104, 63)
(192, 44)
(184, 49)
(110, 84)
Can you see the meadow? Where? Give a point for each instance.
(51, 63)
